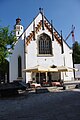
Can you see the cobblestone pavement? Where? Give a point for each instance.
(58, 105)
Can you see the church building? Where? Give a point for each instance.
(39, 53)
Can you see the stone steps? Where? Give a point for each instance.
(47, 89)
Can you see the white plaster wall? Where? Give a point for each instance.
(18, 51)
(58, 58)
(67, 56)
(77, 73)
(30, 27)
(33, 59)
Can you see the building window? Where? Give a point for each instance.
(18, 32)
(44, 44)
(19, 67)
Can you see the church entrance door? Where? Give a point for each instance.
(40, 77)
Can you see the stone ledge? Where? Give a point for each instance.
(41, 90)
(47, 89)
(66, 87)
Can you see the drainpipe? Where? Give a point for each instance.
(25, 55)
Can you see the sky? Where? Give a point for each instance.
(63, 13)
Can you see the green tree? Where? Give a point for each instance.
(76, 53)
(7, 41)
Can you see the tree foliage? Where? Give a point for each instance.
(76, 53)
(7, 41)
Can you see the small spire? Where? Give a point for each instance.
(41, 10)
(52, 29)
(33, 29)
(62, 43)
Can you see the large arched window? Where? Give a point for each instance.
(44, 44)
(19, 67)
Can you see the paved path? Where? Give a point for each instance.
(62, 105)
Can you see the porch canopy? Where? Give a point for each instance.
(39, 68)
(65, 69)
(42, 69)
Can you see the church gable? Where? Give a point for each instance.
(40, 23)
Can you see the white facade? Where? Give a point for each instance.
(30, 57)
(77, 73)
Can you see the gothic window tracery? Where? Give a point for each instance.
(44, 44)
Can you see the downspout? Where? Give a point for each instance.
(25, 56)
